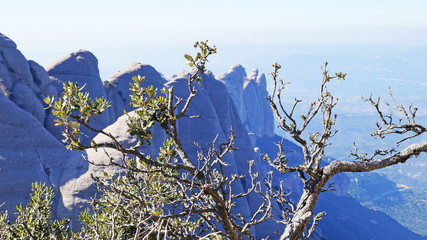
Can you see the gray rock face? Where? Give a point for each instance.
(24, 141)
(117, 87)
(80, 67)
(259, 115)
(249, 94)
(234, 80)
(40, 76)
(6, 79)
(17, 64)
(28, 153)
(27, 99)
(78, 63)
(208, 126)
(6, 42)
(228, 116)
(16, 80)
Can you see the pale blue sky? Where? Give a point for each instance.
(222, 21)
(133, 30)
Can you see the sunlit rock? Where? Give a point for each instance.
(117, 87)
(80, 67)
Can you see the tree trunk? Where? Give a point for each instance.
(295, 228)
(304, 211)
(312, 189)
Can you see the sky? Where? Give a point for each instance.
(364, 38)
(161, 32)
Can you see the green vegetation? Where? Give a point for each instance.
(404, 204)
(35, 220)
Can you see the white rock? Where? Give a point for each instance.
(77, 191)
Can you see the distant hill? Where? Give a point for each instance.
(405, 204)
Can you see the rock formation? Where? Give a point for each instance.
(80, 67)
(28, 153)
(234, 80)
(117, 87)
(16, 80)
(249, 93)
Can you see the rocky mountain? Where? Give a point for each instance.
(249, 92)
(18, 83)
(117, 87)
(80, 67)
(30, 145)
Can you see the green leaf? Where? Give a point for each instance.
(265, 157)
(188, 57)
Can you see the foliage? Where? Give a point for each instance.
(34, 221)
(132, 203)
(74, 101)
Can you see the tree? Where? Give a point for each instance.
(173, 196)
(34, 221)
(312, 174)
